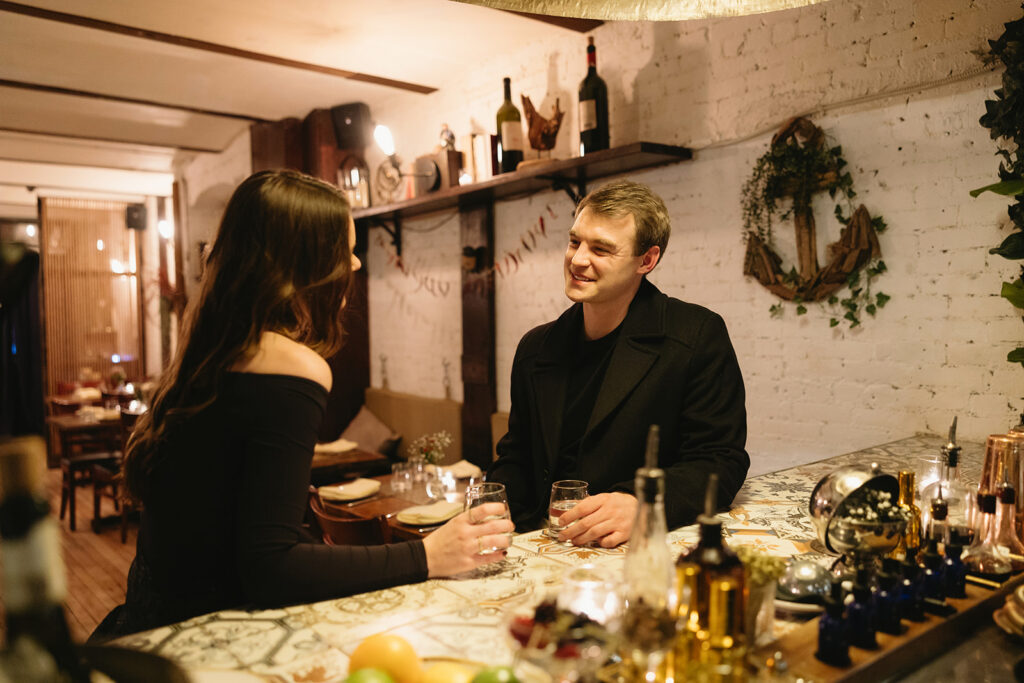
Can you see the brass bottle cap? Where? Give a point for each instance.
(22, 465)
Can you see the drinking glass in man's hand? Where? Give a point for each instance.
(564, 496)
(487, 492)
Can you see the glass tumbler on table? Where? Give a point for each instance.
(401, 477)
(565, 494)
(488, 492)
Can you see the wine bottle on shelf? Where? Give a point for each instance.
(510, 132)
(40, 649)
(593, 107)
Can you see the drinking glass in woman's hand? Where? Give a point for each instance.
(479, 494)
(564, 496)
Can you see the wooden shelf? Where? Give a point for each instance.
(896, 655)
(569, 174)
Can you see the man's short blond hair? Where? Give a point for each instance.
(622, 197)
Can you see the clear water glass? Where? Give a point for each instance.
(401, 477)
(565, 494)
(488, 492)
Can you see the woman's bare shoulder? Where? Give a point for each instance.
(279, 355)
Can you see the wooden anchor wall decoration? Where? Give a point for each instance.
(858, 240)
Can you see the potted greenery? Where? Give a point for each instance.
(1004, 117)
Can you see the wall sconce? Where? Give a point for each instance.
(389, 173)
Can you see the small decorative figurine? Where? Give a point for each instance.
(447, 138)
(541, 131)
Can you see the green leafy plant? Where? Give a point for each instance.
(1004, 117)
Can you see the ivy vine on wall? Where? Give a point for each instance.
(797, 165)
(1004, 117)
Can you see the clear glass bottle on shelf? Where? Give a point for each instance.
(984, 558)
(950, 488)
(649, 620)
(40, 649)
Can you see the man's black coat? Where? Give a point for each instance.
(673, 365)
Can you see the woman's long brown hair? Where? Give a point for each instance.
(282, 263)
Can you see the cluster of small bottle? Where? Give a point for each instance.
(959, 533)
(986, 521)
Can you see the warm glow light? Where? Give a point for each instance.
(116, 266)
(99, 245)
(165, 228)
(384, 139)
(30, 230)
(115, 358)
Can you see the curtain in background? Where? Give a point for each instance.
(91, 306)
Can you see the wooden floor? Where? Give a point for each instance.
(97, 564)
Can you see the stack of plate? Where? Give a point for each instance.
(1010, 617)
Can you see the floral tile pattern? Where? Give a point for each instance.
(465, 616)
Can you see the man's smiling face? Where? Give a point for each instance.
(600, 266)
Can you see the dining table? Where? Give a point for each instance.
(466, 617)
(390, 499)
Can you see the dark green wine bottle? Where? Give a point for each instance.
(510, 133)
(593, 107)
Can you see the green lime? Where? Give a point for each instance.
(496, 674)
(369, 676)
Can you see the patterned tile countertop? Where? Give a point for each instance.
(465, 617)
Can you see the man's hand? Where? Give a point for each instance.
(606, 516)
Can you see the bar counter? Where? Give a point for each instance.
(465, 618)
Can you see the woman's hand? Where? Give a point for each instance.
(455, 547)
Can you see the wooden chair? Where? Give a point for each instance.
(337, 530)
(106, 482)
(76, 465)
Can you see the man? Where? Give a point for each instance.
(586, 387)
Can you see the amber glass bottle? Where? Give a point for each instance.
(910, 542)
(710, 561)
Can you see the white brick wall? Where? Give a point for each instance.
(936, 350)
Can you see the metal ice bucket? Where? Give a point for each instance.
(829, 504)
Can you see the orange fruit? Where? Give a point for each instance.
(389, 653)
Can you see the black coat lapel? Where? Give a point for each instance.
(550, 377)
(633, 357)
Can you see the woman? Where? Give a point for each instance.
(221, 461)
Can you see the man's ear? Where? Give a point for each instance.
(649, 260)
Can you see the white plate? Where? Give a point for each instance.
(798, 607)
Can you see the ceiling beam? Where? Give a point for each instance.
(182, 41)
(76, 136)
(130, 100)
